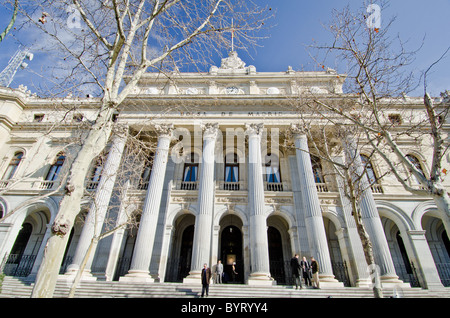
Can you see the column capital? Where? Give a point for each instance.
(297, 129)
(164, 130)
(210, 130)
(120, 130)
(254, 129)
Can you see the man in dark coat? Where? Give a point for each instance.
(296, 271)
(206, 276)
(306, 267)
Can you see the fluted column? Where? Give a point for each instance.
(356, 249)
(259, 247)
(313, 215)
(142, 254)
(201, 247)
(98, 209)
(369, 214)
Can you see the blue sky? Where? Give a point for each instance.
(298, 22)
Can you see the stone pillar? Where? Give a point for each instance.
(313, 215)
(370, 216)
(423, 260)
(201, 247)
(142, 253)
(358, 264)
(259, 247)
(97, 212)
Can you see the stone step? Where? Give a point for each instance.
(18, 288)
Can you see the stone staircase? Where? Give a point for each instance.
(17, 288)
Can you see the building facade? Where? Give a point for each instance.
(230, 177)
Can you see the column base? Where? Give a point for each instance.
(194, 277)
(364, 283)
(328, 281)
(391, 282)
(261, 279)
(70, 276)
(137, 276)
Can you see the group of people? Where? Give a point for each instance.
(309, 271)
(207, 274)
(306, 270)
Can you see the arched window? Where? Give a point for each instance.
(317, 170)
(272, 169)
(231, 172)
(146, 172)
(96, 174)
(190, 173)
(13, 165)
(370, 173)
(272, 175)
(416, 162)
(231, 168)
(55, 169)
(318, 175)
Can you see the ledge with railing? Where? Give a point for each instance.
(27, 184)
(233, 186)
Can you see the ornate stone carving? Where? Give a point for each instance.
(297, 129)
(164, 129)
(254, 129)
(232, 62)
(210, 130)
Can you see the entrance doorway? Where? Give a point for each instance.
(179, 262)
(231, 253)
(184, 265)
(277, 264)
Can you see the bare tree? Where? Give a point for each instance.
(377, 104)
(122, 209)
(11, 23)
(332, 145)
(106, 47)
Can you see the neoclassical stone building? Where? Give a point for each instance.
(230, 179)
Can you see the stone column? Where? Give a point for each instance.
(313, 215)
(142, 253)
(370, 216)
(201, 247)
(421, 256)
(97, 212)
(259, 247)
(358, 262)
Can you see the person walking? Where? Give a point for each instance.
(315, 272)
(306, 269)
(296, 271)
(233, 272)
(206, 277)
(219, 272)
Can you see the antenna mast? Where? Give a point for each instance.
(7, 75)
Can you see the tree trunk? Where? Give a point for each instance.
(365, 240)
(77, 278)
(69, 207)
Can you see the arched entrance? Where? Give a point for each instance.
(231, 249)
(280, 251)
(231, 254)
(27, 246)
(439, 244)
(402, 264)
(179, 263)
(276, 260)
(184, 263)
(338, 264)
